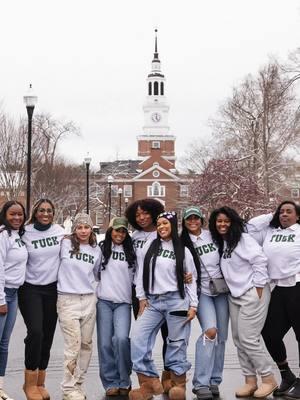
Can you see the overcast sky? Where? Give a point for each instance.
(88, 61)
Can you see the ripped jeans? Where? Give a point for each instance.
(77, 316)
(161, 308)
(209, 358)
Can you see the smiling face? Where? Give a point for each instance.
(288, 215)
(223, 224)
(44, 214)
(118, 235)
(83, 233)
(144, 220)
(15, 216)
(164, 228)
(193, 224)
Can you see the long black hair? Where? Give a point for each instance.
(3, 220)
(153, 251)
(233, 236)
(151, 206)
(105, 246)
(275, 222)
(187, 242)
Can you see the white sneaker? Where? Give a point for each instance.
(4, 396)
(74, 395)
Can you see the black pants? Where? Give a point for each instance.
(283, 314)
(37, 304)
(163, 329)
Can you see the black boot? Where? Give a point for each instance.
(287, 380)
(294, 391)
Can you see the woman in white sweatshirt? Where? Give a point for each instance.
(13, 257)
(38, 295)
(244, 267)
(163, 298)
(114, 293)
(76, 303)
(279, 235)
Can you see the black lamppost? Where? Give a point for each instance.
(30, 101)
(87, 161)
(120, 192)
(110, 180)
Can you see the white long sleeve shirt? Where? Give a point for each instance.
(13, 258)
(116, 279)
(209, 254)
(245, 267)
(165, 279)
(43, 254)
(141, 241)
(76, 271)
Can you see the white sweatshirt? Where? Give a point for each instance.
(208, 252)
(141, 241)
(13, 258)
(116, 279)
(43, 254)
(76, 271)
(245, 267)
(165, 279)
(281, 246)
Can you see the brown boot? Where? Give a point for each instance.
(177, 391)
(149, 387)
(30, 386)
(166, 381)
(249, 387)
(41, 384)
(267, 386)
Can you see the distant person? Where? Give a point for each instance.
(13, 258)
(76, 303)
(38, 295)
(164, 298)
(114, 290)
(279, 234)
(244, 267)
(213, 313)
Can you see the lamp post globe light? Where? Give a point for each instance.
(120, 192)
(87, 161)
(30, 100)
(110, 180)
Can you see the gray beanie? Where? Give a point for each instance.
(82, 218)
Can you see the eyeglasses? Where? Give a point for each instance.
(45, 210)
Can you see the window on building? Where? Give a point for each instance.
(99, 218)
(162, 88)
(114, 190)
(150, 88)
(155, 144)
(155, 174)
(295, 193)
(155, 88)
(127, 191)
(156, 190)
(184, 190)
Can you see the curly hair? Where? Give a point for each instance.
(187, 242)
(151, 206)
(32, 219)
(275, 222)
(106, 244)
(3, 220)
(152, 254)
(233, 236)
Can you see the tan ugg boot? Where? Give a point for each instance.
(149, 387)
(249, 387)
(267, 386)
(41, 384)
(166, 381)
(177, 391)
(30, 386)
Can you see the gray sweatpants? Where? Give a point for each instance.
(248, 314)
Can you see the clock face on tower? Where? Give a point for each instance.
(156, 117)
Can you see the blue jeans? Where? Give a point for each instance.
(209, 360)
(7, 323)
(113, 325)
(161, 308)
